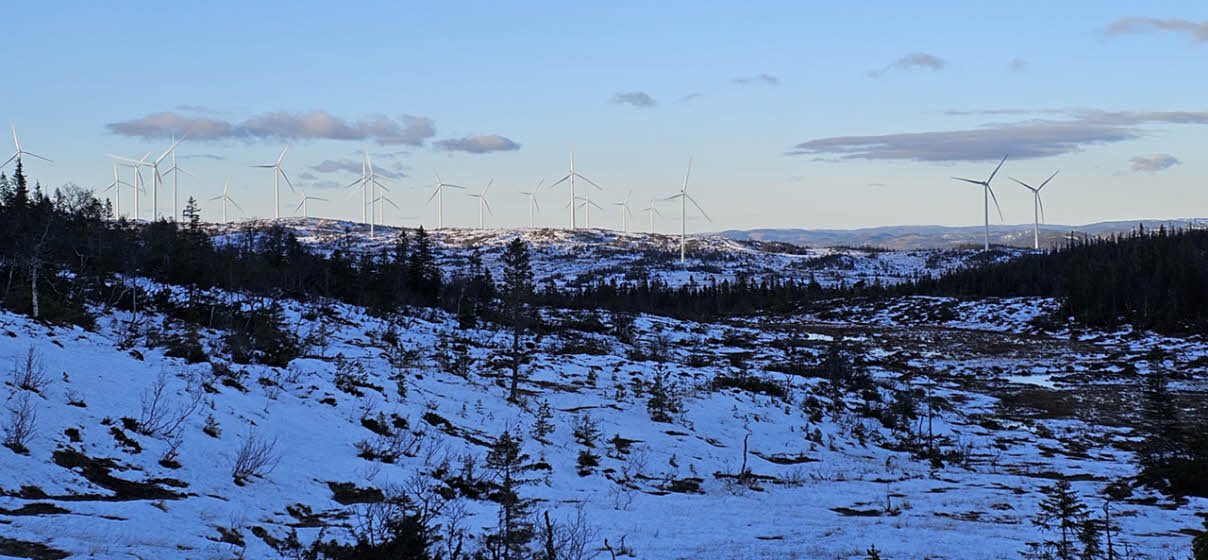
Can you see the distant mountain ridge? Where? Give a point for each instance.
(904, 238)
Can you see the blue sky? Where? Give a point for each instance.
(813, 115)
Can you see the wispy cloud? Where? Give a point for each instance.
(478, 144)
(910, 61)
(325, 185)
(196, 109)
(1154, 163)
(1017, 65)
(760, 79)
(1135, 25)
(203, 156)
(1034, 138)
(282, 125)
(687, 98)
(635, 98)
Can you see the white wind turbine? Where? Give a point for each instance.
(382, 200)
(156, 178)
(652, 211)
(17, 155)
(571, 176)
(175, 170)
(1037, 207)
(303, 206)
(225, 197)
(482, 201)
(363, 183)
(138, 175)
(988, 194)
(532, 198)
(439, 195)
(277, 172)
(586, 204)
(373, 184)
(116, 186)
(625, 212)
(684, 198)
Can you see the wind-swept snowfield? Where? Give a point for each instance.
(1011, 406)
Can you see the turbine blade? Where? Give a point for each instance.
(969, 181)
(282, 172)
(37, 156)
(263, 166)
(702, 210)
(995, 199)
(555, 183)
(8, 160)
(282, 156)
(593, 183)
(1004, 160)
(1025, 185)
(488, 187)
(686, 175)
(1040, 203)
(488, 205)
(434, 193)
(1046, 181)
(236, 205)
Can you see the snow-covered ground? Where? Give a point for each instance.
(1017, 407)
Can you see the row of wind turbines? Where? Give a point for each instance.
(374, 193)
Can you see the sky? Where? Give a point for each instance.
(795, 114)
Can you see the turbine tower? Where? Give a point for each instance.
(1037, 207)
(532, 198)
(571, 176)
(176, 171)
(439, 195)
(116, 186)
(138, 175)
(987, 194)
(684, 198)
(225, 197)
(482, 201)
(156, 178)
(303, 206)
(362, 183)
(625, 212)
(277, 172)
(17, 155)
(652, 211)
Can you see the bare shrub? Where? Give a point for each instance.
(568, 539)
(29, 373)
(159, 415)
(21, 424)
(257, 457)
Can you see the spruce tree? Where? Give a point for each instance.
(508, 460)
(517, 288)
(1061, 512)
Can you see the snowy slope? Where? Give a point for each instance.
(825, 484)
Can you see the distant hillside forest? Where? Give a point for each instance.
(1150, 279)
(59, 251)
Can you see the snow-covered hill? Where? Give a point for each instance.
(1009, 408)
(567, 257)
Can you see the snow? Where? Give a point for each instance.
(987, 351)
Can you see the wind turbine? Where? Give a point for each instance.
(138, 176)
(116, 185)
(652, 211)
(684, 198)
(586, 206)
(176, 171)
(17, 155)
(482, 201)
(625, 212)
(532, 197)
(382, 200)
(156, 178)
(362, 183)
(303, 206)
(987, 194)
(373, 184)
(225, 197)
(277, 172)
(1037, 207)
(571, 176)
(439, 195)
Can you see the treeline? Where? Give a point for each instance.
(58, 252)
(1149, 279)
